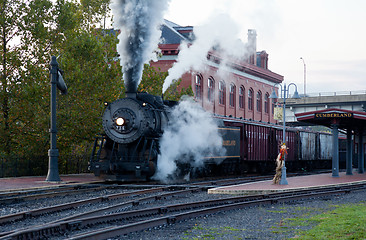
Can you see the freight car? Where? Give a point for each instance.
(129, 147)
(260, 143)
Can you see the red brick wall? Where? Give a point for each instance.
(266, 87)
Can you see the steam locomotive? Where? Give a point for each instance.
(129, 147)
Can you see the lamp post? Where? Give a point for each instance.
(284, 95)
(303, 61)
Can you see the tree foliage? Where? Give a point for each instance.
(153, 80)
(33, 31)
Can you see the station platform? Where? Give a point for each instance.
(299, 182)
(18, 183)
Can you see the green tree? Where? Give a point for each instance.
(153, 80)
(31, 101)
(32, 31)
(9, 31)
(92, 79)
(173, 93)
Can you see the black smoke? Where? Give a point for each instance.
(138, 21)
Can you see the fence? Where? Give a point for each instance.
(17, 166)
(339, 93)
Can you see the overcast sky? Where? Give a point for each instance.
(330, 35)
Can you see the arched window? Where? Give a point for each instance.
(222, 92)
(250, 99)
(259, 101)
(232, 95)
(266, 103)
(211, 90)
(198, 87)
(241, 97)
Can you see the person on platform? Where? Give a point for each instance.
(279, 163)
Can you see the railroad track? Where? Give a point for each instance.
(38, 212)
(7, 197)
(173, 190)
(97, 224)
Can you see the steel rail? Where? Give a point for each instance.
(138, 226)
(37, 212)
(226, 204)
(113, 208)
(47, 195)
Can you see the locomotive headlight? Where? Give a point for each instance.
(120, 121)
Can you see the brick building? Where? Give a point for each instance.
(243, 92)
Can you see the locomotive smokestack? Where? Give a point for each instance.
(131, 95)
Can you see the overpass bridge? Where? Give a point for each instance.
(346, 100)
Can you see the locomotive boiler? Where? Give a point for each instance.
(129, 147)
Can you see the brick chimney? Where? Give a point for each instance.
(252, 46)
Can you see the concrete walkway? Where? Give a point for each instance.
(302, 182)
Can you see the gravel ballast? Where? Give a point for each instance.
(262, 222)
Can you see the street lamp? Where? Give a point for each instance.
(284, 95)
(303, 61)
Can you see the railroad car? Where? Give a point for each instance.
(129, 147)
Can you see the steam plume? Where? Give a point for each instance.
(192, 134)
(139, 22)
(220, 31)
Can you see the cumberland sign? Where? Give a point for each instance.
(333, 115)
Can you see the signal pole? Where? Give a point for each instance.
(56, 81)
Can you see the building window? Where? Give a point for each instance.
(211, 90)
(250, 99)
(198, 87)
(266, 103)
(222, 92)
(232, 95)
(259, 101)
(241, 97)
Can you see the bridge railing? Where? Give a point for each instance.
(340, 93)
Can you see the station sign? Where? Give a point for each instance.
(333, 115)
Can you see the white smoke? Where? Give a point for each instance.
(220, 32)
(139, 22)
(192, 134)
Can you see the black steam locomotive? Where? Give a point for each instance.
(129, 148)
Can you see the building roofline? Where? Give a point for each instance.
(246, 67)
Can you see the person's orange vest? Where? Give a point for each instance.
(283, 151)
